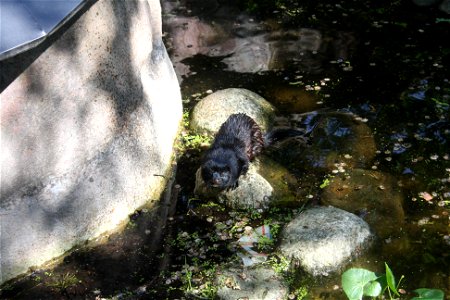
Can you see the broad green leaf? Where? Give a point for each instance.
(391, 280)
(354, 282)
(429, 294)
(372, 289)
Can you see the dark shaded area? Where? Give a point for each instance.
(387, 46)
(13, 66)
(118, 262)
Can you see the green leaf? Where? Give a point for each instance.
(391, 280)
(354, 282)
(325, 183)
(429, 294)
(372, 289)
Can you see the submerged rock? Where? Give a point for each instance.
(323, 239)
(293, 99)
(259, 283)
(336, 139)
(214, 109)
(373, 195)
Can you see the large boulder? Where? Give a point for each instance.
(86, 133)
(213, 110)
(323, 239)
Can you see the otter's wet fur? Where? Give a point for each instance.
(238, 141)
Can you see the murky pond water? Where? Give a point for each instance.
(382, 65)
(385, 64)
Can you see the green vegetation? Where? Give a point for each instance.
(265, 243)
(301, 293)
(442, 20)
(187, 278)
(198, 279)
(195, 141)
(361, 282)
(190, 140)
(64, 282)
(325, 183)
(279, 264)
(433, 294)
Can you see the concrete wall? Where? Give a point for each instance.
(84, 131)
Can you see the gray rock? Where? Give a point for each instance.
(253, 191)
(265, 184)
(85, 129)
(214, 109)
(323, 239)
(258, 283)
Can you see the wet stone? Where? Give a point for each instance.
(253, 191)
(323, 239)
(265, 184)
(259, 283)
(213, 110)
(373, 195)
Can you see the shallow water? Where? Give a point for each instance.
(383, 64)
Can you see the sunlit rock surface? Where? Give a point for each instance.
(266, 184)
(252, 192)
(255, 283)
(213, 110)
(84, 132)
(373, 195)
(323, 239)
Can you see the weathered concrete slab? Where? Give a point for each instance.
(85, 132)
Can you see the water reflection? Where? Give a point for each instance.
(248, 46)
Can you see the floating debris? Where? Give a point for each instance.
(249, 240)
(426, 196)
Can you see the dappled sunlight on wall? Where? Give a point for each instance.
(88, 130)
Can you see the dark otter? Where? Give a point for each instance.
(237, 143)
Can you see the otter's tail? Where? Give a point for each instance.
(280, 134)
